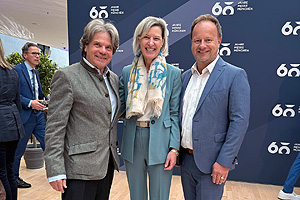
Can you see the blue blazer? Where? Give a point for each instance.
(164, 131)
(26, 90)
(222, 116)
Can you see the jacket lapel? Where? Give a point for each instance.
(185, 82)
(26, 75)
(217, 71)
(114, 85)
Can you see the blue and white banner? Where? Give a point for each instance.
(262, 37)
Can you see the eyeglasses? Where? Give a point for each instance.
(35, 54)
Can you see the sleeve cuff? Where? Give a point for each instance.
(58, 177)
(29, 104)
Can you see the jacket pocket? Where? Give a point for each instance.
(167, 123)
(82, 148)
(220, 137)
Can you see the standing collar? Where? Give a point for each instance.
(105, 71)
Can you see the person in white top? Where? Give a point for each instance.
(214, 113)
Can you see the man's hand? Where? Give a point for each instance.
(170, 161)
(59, 185)
(35, 104)
(219, 173)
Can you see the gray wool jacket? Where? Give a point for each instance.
(80, 136)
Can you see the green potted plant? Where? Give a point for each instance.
(33, 155)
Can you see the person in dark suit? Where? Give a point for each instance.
(31, 97)
(214, 112)
(11, 128)
(81, 133)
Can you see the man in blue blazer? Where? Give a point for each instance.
(31, 97)
(215, 109)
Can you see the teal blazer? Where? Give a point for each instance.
(164, 131)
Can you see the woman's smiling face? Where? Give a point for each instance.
(151, 44)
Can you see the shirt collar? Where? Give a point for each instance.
(209, 67)
(105, 71)
(29, 68)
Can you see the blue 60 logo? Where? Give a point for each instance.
(288, 29)
(273, 148)
(217, 9)
(277, 111)
(103, 14)
(226, 49)
(283, 71)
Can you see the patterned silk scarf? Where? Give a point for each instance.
(141, 91)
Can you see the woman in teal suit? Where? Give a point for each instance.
(150, 92)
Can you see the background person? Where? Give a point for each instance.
(31, 95)
(81, 134)
(150, 93)
(11, 128)
(288, 188)
(215, 113)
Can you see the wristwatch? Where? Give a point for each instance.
(175, 151)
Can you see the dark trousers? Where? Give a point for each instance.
(90, 189)
(36, 124)
(197, 185)
(7, 155)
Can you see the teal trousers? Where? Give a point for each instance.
(159, 179)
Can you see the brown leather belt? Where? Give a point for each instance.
(145, 124)
(190, 151)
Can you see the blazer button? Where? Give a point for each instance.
(109, 112)
(152, 122)
(106, 95)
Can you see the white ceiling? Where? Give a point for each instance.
(40, 21)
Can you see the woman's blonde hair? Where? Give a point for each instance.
(3, 61)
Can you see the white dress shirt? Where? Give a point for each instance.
(191, 99)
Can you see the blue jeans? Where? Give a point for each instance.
(292, 176)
